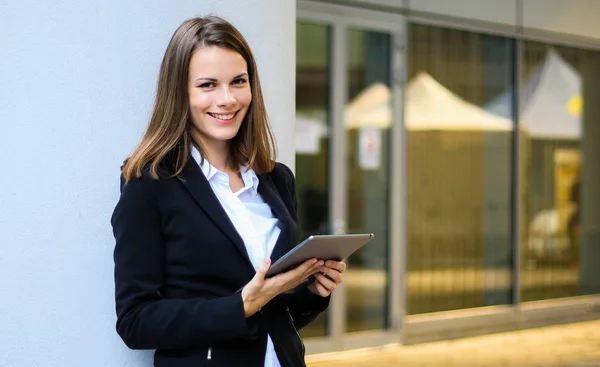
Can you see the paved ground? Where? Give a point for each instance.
(574, 345)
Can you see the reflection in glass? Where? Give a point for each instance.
(552, 124)
(367, 120)
(459, 169)
(312, 141)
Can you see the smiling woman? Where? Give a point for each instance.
(207, 63)
(219, 97)
(204, 208)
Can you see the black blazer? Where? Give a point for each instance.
(179, 262)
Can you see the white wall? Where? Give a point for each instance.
(77, 81)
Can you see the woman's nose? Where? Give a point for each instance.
(226, 97)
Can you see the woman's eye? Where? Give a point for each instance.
(207, 85)
(239, 81)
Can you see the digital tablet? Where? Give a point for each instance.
(322, 247)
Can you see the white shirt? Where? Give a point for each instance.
(251, 217)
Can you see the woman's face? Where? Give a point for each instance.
(219, 92)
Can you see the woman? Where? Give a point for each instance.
(203, 211)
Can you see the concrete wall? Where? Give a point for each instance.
(495, 11)
(77, 83)
(570, 17)
(573, 17)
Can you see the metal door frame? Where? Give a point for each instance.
(340, 18)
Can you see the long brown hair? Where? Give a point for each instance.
(168, 138)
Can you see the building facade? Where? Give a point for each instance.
(462, 134)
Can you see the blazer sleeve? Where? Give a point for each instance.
(303, 304)
(146, 320)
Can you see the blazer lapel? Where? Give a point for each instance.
(196, 183)
(268, 192)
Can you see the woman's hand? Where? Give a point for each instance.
(259, 291)
(328, 277)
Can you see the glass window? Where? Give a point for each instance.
(312, 138)
(559, 200)
(368, 123)
(459, 141)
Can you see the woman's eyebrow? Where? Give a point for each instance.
(206, 79)
(214, 80)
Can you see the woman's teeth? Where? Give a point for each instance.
(222, 117)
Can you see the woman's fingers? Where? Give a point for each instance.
(327, 283)
(307, 268)
(337, 265)
(320, 289)
(293, 278)
(327, 274)
(315, 268)
(332, 274)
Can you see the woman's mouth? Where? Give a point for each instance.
(223, 117)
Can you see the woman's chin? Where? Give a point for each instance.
(225, 135)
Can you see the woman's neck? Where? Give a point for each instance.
(218, 154)
(221, 161)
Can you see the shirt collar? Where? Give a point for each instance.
(210, 172)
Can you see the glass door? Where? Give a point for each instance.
(367, 123)
(313, 123)
(349, 165)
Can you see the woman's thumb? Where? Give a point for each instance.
(263, 268)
